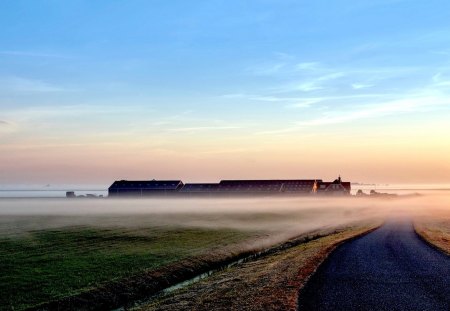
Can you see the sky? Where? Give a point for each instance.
(94, 91)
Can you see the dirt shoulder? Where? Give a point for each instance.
(435, 231)
(271, 282)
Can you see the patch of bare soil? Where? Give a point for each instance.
(271, 282)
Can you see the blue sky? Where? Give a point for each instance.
(219, 78)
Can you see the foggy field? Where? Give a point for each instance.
(55, 248)
(210, 155)
(268, 283)
(47, 264)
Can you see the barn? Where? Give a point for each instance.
(230, 187)
(144, 187)
(199, 188)
(293, 186)
(337, 187)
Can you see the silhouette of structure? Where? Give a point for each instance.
(70, 194)
(336, 187)
(229, 188)
(145, 188)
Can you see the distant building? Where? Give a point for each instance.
(230, 187)
(200, 188)
(267, 186)
(70, 194)
(144, 188)
(251, 187)
(337, 187)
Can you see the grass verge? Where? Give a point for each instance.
(271, 282)
(70, 268)
(435, 231)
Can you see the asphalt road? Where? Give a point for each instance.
(388, 269)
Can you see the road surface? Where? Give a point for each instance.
(388, 269)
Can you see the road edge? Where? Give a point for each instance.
(420, 232)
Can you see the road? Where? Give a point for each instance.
(388, 269)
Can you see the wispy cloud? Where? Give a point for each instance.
(304, 103)
(308, 101)
(31, 117)
(229, 151)
(284, 56)
(18, 84)
(285, 65)
(297, 102)
(266, 69)
(7, 127)
(358, 86)
(309, 84)
(307, 66)
(420, 102)
(282, 63)
(234, 95)
(33, 54)
(319, 77)
(308, 87)
(441, 52)
(440, 81)
(203, 128)
(406, 105)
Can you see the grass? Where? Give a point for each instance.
(433, 223)
(268, 283)
(103, 254)
(436, 231)
(45, 265)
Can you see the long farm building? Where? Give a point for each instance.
(154, 187)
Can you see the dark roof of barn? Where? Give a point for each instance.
(199, 187)
(147, 184)
(268, 185)
(268, 181)
(347, 185)
(324, 185)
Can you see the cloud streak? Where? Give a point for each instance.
(23, 85)
(33, 54)
(309, 84)
(203, 128)
(440, 81)
(407, 105)
(266, 69)
(289, 102)
(306, 101)
(307, 66)
(414, 103)
(358, 86)
(7, 127)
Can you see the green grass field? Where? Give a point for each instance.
(115, 250)
(42, 265)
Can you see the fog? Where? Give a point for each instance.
(278, 216)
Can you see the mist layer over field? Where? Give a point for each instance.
(52, 248)
(277, 215)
